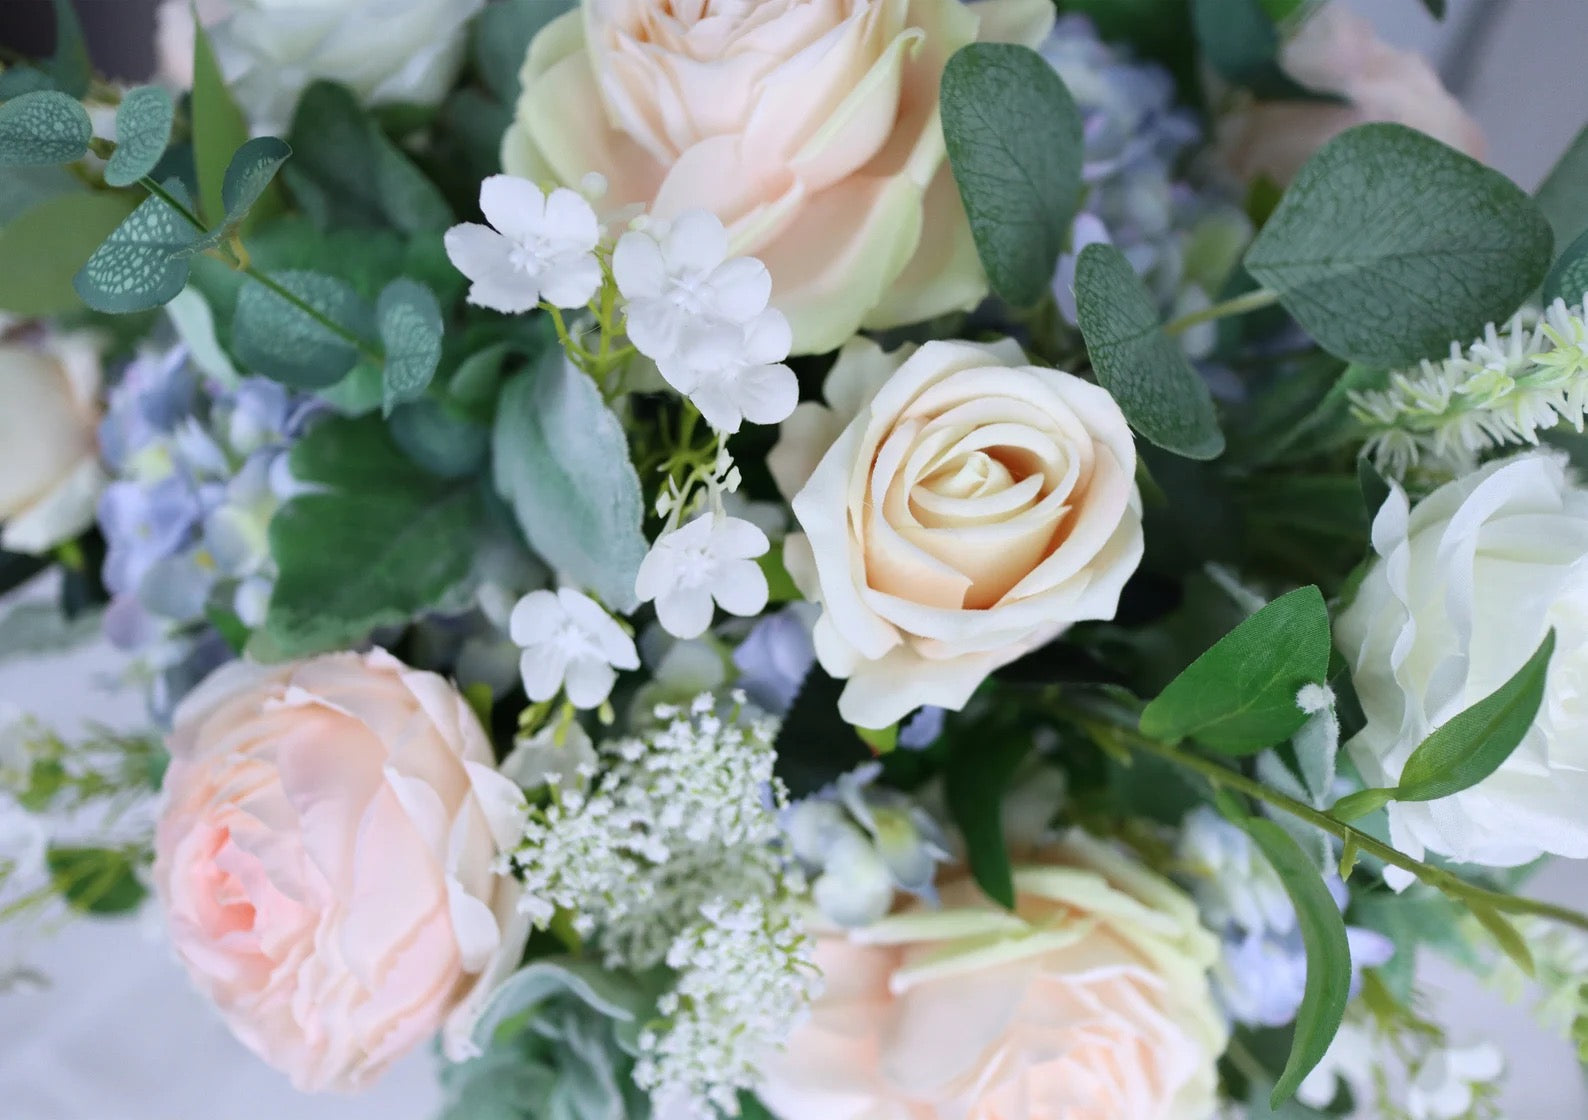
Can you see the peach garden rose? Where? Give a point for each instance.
(325, 861)
(810, 127)
(960, 508)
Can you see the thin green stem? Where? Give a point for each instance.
(1240, 305)
(369, 352)
(172, 201)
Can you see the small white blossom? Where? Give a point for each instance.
(739, 375)
(1445, 1087)
(541, 246)
(569, 642)
(1352, 1057)
(712, 558)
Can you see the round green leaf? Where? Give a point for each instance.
(250, 172)
(409, 321)
(41, 128)
(276, 337)
(1390, 245)
(139, 267)
(143, 129)
(56, 238)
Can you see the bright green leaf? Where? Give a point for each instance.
(409, 321)
(100, 881)
(276, 337)
(1474, 744)
(1240, 696)
(1328, 986)
(562, 462)
(1162, 396)
(143, 129)
(140, 267)
(1563, 195)
(1568, 280)
(43, 128)
(219, 128)
(780, 585)
(500, 41)
(1354, 806)
(1389, 245)
(975, 779)
(56, 238)
(1014, 142)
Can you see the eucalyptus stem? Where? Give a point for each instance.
(1240, 305)
(1223, 777)
(172, 201)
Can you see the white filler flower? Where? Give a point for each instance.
(541, 246)
(569, 642)
(710, 558)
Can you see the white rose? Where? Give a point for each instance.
(387, 51)
(960, 509)
(50, 476)
(1466, 587)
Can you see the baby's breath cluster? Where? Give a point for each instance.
(1504, 389)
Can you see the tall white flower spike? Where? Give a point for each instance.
(540, 247)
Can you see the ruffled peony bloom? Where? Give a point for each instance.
(325, 861)
(1337, 51)
(960, 508)
(50, 476)
(1089, 1002)
(810, 129)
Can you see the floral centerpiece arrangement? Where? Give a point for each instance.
(823, 559)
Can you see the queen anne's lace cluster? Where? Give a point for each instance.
(1504, 389)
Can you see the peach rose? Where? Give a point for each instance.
(324, 859)
(1089, 1002)
(1337, 51)
(960, 508)
(810, 127)
(50, 476)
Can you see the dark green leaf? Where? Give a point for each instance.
(56, 238)
(1375, 490)
(21, 78)
(1239, 39)
(274, 336)
(439, 440)
(1014, 141)
(140, 266)
(1328, 986)
(376, 542)
(1389, 245)
(814, 744)
(43, 128)
(143, 129)
(1563, 196)
(250, 172)
(70, 67)
(1240, 696)
(1474, 744)
(100, 881)
(1568, 280)
(975, 779)
(562, 462)
(17, 568)
(1436, 8)
(1162, 396)
(500, 41)
(409, 321)
(219, 128)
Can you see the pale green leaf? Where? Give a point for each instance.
(140, 267)
(143, 129)
(1568, 279)
(276, 337)
(1563, 195)
(43, 128)
(409, 321)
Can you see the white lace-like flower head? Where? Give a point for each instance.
(541, 246)
(710, 558)
(569, 642)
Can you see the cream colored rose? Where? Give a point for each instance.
(810, 127)
(50, 476)
(386, 51)
(960, 509)
(1089, 1002)
(1337, 51)
(325, 861)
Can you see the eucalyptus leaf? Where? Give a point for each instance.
(56, 238)
(1162, 396)
(1563, 195)
(276, 337)
(143, 129)
(1466, 749)
(1568, 279)
(219, 127)
(409, 321)
(70, 67)
(499, 41)
(975, 779)
(1014, 143)
(140, 266)
(1239, 39)
(1240, 696)
(561, 460)
(249, 174)
(42, 128)
(1389, 244)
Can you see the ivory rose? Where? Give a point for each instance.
(1338, 52)
(810, 127)
(960, 509)
(50, 475)
(1090, 1001)
(1465, 587)
(325, 861)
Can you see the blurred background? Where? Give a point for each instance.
(118, 1035)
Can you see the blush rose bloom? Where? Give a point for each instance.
(810, 127)
(1089, 1002)
(960, 508)
(1463, 591)
(325, 860)
(1339, 52)
(50, 477)
(387, 51)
